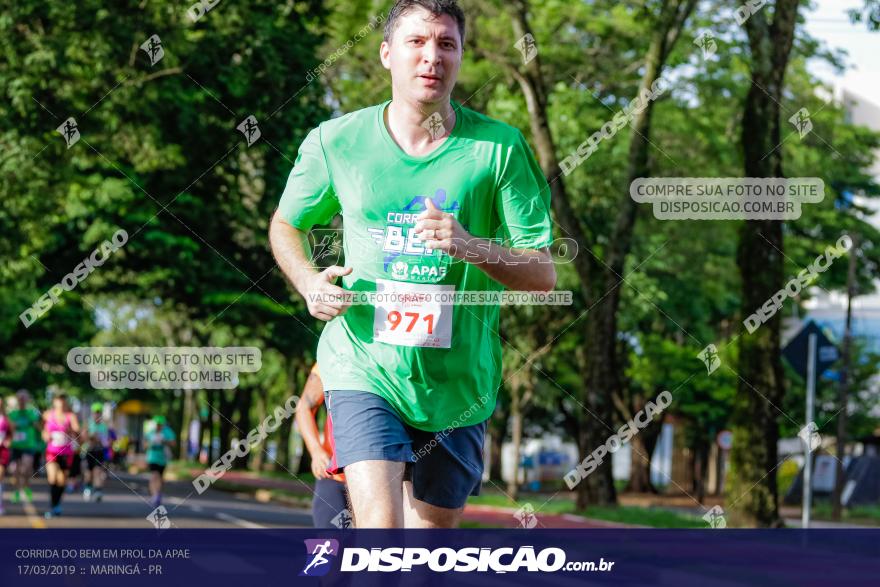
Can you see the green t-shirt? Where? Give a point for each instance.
(438, 366)
(157, 453)
(25, 435)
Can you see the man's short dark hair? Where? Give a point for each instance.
(435, 7)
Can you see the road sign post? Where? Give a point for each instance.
(808, 460)
(810, 353)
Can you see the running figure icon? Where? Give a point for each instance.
(320, 550)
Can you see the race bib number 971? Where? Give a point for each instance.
(413, 314)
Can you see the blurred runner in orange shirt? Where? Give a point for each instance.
(330, 505)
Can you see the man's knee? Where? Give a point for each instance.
(375, 490)
(431, 517)
(421, 514)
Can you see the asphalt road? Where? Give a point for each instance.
(126, 504)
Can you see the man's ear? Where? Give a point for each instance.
(385, 54)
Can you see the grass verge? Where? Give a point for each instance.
(640, 516)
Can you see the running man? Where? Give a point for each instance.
(26, 421)
(60, 429)
(97, 446)
(330, 503)
(7, 429)
(319, 552)
(435, 199)
(160, 439)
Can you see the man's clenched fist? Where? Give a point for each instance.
(325, 299)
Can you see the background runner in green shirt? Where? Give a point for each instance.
(158, 440)
(26, 444)
(26, 423)
(95, 453)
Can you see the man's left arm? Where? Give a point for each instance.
(516, 269)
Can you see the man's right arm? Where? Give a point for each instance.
(290, 247)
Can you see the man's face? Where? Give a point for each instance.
(424, 56)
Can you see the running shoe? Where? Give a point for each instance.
(14, 498)
(28, 494)
(53, 513)
(87, 493)
(99, 495)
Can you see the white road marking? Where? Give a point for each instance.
(238, 521)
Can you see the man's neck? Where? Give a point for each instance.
(419, 128)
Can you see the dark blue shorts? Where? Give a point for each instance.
(444, 467)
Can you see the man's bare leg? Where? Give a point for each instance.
(376, 493)
(418, 514)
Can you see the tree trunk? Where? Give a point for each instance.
(603, 375)
(284, 433)
(242, 424)
(225, 413)
(700, 468)
(585, 495)
(184, 430)
(177, 418)
(498, 427)
(642, 445)
(259, 457)
(533, 88)
(298, 374)
(208, 424)
(515, 438)
(752, 486)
